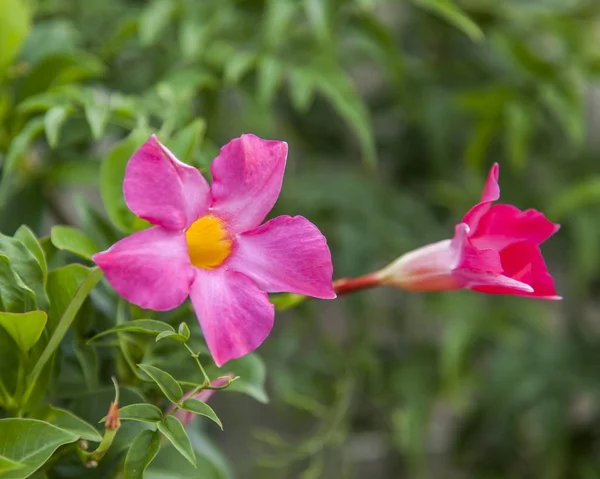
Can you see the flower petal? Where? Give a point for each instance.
(286, 255)
(163, 190)
(235, 315)
(504, 225)
(491, 193)
(150, 268)
(524, 262)
(247, 177)
(478, 268)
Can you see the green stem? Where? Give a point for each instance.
(195, 356)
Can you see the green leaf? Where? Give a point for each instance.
(186, 143)
(155, 18)
(13, 171)
(14, 28)
(252, 372)
(73, 240)
(143, 450)
(174, 431)
(30, 442)
(141, 412)
(15, 296)
(170, 334)
(269, 76)
(454, 15)
(166, 382)
(24, 328)
(238, 65)
(337, 87)
(518, 133)
(64, 324)
(63, 283)
(96, 114)
(68, 421)
(184, 331)
(54, 119)
(285, 301)
(143, 326)
(27, 268)
(8, 465)
(112, 173)
(28, 238)
(198, 407)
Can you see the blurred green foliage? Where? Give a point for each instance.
(393, 110)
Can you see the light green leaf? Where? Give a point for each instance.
(144, 449)
(301, 89)
(24, 328)
(28, 238)
(186, 143)
(141, 412)
(166, 382)
(518, 133)
(184, 331)
(30, 442)
(278, 15)
(285, 301)
(15, 23)
(155, 18)
(54, 119)
(73, 240)
(198, 407)
(96, 114)
(143, 326)
(269, 77)
(27, 268)
(8, 465)
(238, 65)
(170, 334)
(454, 15)
(68, 421)
(15, 296)
(112, 173)
(174, 431)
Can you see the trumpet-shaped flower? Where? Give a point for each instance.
(495, 249)
(208, 242)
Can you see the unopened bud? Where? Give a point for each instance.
(113, 422)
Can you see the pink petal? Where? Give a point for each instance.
(478, 268)
(150, 268)
(524, 262)
(286, 255)
(504, 225)
(491, 193)
(161, 189)
(247, 177)
(235, 315)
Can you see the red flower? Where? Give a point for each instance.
(495, 250)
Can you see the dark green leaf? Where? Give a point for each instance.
(174, 431)
(63, 282)
(454, 15)
(198, 407)
(252, 376)
(165, 382)
(28, 238)
(15, 296)
(144, 449)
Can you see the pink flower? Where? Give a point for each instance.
(495, 250)
(187, 417)
(208, 243)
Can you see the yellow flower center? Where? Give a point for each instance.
(208, 242)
